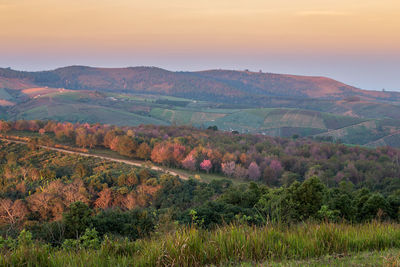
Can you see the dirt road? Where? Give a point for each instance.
(136, 163)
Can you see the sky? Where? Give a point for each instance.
(354, 41)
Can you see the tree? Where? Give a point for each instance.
(5, 126)
(91, 140)
(114, 143)
(77, 219)
(375, 206)
(216, 159)
(254, 171)
(162, 153)
(189, 163)
(240, 172)
(309, 197)
(272, 172)
(129, 202)
(340, 200)
(75, 192)
(132, 224)
(21, 125)
(42, 204)
(178, 153)
(276, 166)
(143, 151)
(108, 138)
(229, 157)
(81, 137)
(126, 146)
(299, 201)
(243, 158)
(228, 168)
(104, 200)
(12, 212)
(206, 165)
(81, 170)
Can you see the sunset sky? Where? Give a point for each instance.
(354, 41)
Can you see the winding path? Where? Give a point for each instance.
(136, 163)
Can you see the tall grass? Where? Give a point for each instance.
(230, 244)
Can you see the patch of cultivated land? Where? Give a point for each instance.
(361, 133)
(277, 121)
(294, 118)
(40, 91)
(87, 113)
(185, 116)
(6, 103)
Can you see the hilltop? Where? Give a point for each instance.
(202, 84)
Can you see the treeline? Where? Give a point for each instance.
(259, 204)
(273, 161)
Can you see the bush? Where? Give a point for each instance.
(89, 240)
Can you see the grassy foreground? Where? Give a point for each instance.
(227, 246)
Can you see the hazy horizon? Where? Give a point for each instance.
(355, 42)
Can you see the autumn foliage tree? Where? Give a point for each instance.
(206, 165)
(12, 212)
(126, 146)
(189, 163)
(143, 151)
(254, 171)
(228, 168)
(162, 153)
(104, 199)
(5, 126)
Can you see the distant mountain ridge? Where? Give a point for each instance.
(221, 85)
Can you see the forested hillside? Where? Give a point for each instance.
(263, 187)
(270, 160)
(39, 185)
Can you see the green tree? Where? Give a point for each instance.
(375, 206)
(309, 197)
(77, 219)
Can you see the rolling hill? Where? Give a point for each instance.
(222, 84)
(248, 102)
